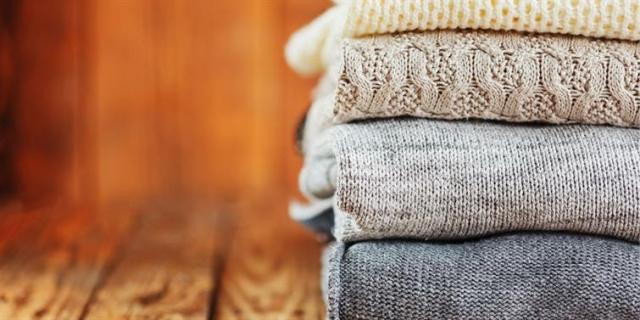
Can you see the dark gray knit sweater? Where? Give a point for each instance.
(522, 276)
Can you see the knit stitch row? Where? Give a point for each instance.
(312, 48)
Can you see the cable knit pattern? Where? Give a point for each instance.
(309, 49)
(506, 76)
(517, 277)
(434, 179)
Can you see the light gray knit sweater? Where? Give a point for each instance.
(523, 276)
(432, 179)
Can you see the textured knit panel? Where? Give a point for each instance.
(434, 179)
(318, 177)
(619, 19)
(312, 48)
(317, 216)
(525, 276)
(319, 117)
(489, 75)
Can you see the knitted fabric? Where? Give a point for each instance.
(507, 76)
(319, 116)
(309, 50)
(523, 276)
(433, 179)
(318, 216)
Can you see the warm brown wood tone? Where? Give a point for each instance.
(46, 92)
(166, 268)
(154, 160)
(118, 100)
(52, 260)
(180, 260)
(194, 97)
(273, 269)
(7, 181)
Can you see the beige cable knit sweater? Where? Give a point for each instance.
(490, 75)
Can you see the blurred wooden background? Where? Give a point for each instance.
(147, 158)
(122, 100)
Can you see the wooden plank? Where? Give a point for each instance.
(167, 270)
(45, 96)
(7, 181)
(188, 96)
(194, 97)
(273, 268)
(52, 259)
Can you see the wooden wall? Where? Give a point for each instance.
(7, 183)
(43, 98)
(124, 100)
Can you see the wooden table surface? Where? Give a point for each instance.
(117, 101)
(159, 261)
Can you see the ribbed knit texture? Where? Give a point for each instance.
(309, 50)
(433, 179)
(524, 276)
(618, 19)
(490, 75)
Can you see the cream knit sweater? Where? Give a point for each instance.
(310, 49)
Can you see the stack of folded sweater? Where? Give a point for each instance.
(475, 159)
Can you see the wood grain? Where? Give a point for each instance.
(179, 98)
(194, 97)
(167, 268)
(183, 103)
(176, 261)
(273, 269)
(45, 95)
(188, 97)
(7, 180)
(51, 261)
